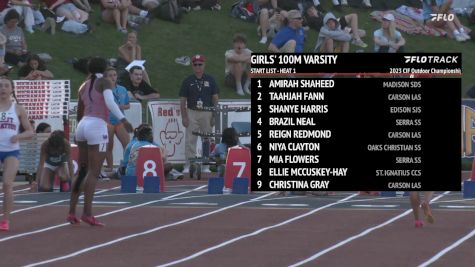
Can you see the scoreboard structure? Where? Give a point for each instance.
(356, 122)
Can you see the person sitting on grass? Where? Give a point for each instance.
(35, 69)
(349, 23)
(55, 159)
(331, 38)
(15, 47)
(129, 52)
(443, 8)
(237, 65)
(387, 39)
(290, 38)
(116, 11)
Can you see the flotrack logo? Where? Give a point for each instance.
(442, 17)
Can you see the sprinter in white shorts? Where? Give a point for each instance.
(95, 101)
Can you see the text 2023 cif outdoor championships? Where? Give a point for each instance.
(358, 132)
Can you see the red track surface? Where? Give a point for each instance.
(395, 244)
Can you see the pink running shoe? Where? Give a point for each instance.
(65, 187)
(91, 220)
(419, 224)
(4, 225)
(72, 219)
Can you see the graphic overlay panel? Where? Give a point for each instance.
(368, 127)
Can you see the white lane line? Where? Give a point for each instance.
(82, 251)
(23, 201)
(284, 205)
(457, 206)
(374, 206)
(106, 190)
(447, 249)
(195, 203)
(108, 202)
(41, 230)
(365, 232)
(456, 200)
(16, 191)
(55, 202)
(256, 232)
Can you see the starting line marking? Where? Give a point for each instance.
(23, 201)
(374, 206)
(196, 203)
(284, 205)
(108, 202)
(457, 207)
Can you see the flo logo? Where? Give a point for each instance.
(442, 17)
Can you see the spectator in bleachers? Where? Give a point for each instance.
(13, 115)
(55, 159)
(443, 7)
(65, 8)
(331, 37)
(129, 52)
(84, 5)
(138, 15)
(269, 26)
(387, 39)
(290, 38)
(34, 69)
(269, 17)
(137, 87)
(237, 65)
(115, 127)
(197, 91)
(349, 23)
(25, 9)
(43, 127)
(116, 11)
(16, 47)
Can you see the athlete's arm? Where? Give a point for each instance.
(41, 164)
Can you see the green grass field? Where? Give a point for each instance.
(205, 32)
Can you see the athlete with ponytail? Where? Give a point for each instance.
(95, 101)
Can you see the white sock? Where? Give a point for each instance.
(462, 30)
(238, 86)
(143, 13)
(456, 32)
(263, 40)
(247, 84)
